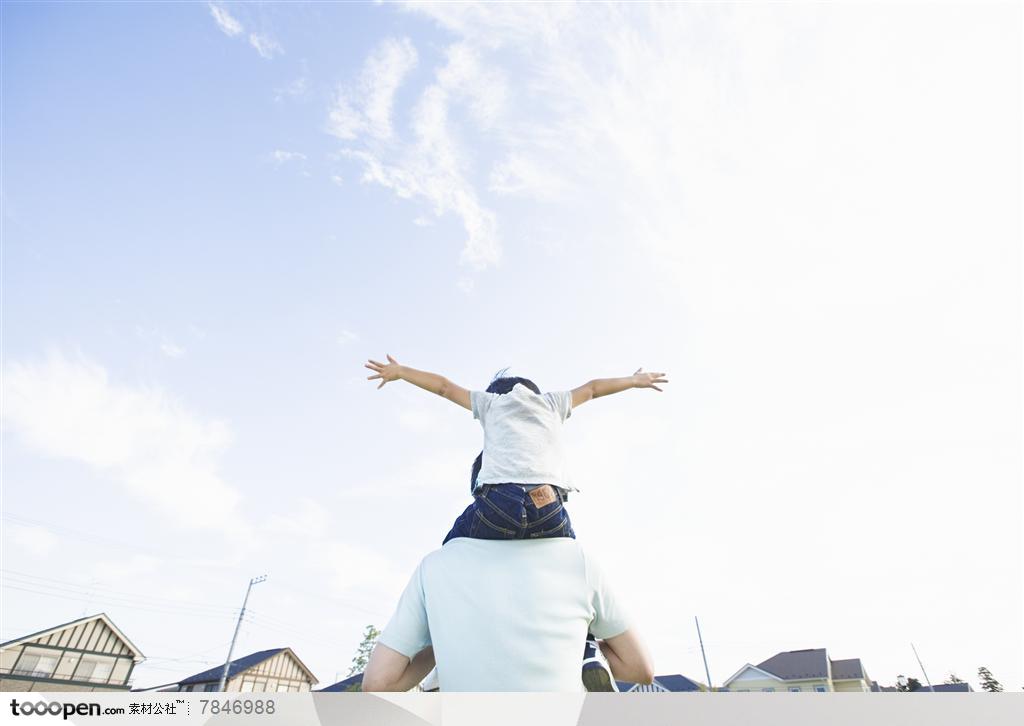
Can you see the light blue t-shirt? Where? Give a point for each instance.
(505, 615)
(522, 436)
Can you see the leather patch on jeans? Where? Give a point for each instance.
(542, 496)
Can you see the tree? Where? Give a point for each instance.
(365, 648)
(953, 679)
(906, 685)
(988, 682)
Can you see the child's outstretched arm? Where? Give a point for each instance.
(393, 371)
(607, 386)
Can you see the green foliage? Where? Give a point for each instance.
(953, 679)
(912, 685)
(362, 656)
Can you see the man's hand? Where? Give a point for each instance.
(647, 380)
(387, 372)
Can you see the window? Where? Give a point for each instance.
(768, 690)
(246, 686)
(95, 669)
(283, 688)
(211, 686)
(820, 689)
(38, 663)
(795, 689)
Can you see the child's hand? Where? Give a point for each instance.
(647, 380)
(387, 372)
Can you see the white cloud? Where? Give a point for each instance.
(225, 21)
(141, 437)
(171, 350)
(296, 89)
(265, 45)
(366, 108)
(283, 157)
(430, 164)
(337, 179)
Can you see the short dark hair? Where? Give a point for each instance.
(506, 383)
(500, 385)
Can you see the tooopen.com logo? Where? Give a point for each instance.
(56, 708)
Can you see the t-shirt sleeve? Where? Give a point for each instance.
(408, 632)
(561, 402)
(610, 618)
(480, 402)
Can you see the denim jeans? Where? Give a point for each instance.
(506, 511)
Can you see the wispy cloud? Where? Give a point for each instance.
(427, 163)
(225, 21)
(141, 437)
(366, 108)
(265, 45)
(282, 157)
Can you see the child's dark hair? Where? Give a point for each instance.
(501, 384)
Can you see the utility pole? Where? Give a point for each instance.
(238, 625)
(930, 688)
(702, 655)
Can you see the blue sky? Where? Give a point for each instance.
(214, 214)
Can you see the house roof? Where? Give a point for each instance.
(796, 664)
(947, 688)
(674, 682)
(677, 682)
(237, 666)
(346, 685)
(138, 656)
(847, 668)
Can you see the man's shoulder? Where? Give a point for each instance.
(560, 550)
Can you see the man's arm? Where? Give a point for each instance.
(607, 386)
(393, 371)
(628, 658)
(389, 670)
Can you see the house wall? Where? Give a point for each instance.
(84, 657)
(759, 684)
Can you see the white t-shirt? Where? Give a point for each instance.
(522, 436)
(505, 615)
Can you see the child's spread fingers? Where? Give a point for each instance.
(381, 385)
(379, 365)
(370, 378)
(656, 388)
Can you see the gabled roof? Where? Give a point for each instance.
(847, 669)
(136, 653)
(795, 665)
(237, 666)
(748, 666)
(349, 684)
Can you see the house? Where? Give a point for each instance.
(88, 654)
(350, 684)
(801, 670)
(946, 688)
(674, 683)
(275, 670)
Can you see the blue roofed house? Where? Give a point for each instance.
(276, 670)
(674, 683)
(801, 670)
(348, 685)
